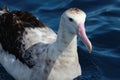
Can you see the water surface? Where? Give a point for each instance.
(102, 26)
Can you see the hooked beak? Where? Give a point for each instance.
(83, 36)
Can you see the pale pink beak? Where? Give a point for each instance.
(83, 36)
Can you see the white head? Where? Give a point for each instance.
(74, 20)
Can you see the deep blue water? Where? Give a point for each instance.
(102, 26)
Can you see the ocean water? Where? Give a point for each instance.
(102, 27)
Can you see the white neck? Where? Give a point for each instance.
(66, 40)
(65, 49)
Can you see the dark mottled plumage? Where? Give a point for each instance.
(12, 28)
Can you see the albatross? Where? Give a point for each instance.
(32, 51)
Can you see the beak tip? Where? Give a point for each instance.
(90, 51)
(90, 48)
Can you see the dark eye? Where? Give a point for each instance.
(70, 19)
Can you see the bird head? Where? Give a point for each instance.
(74, 18)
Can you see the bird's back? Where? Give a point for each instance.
(20, 30)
